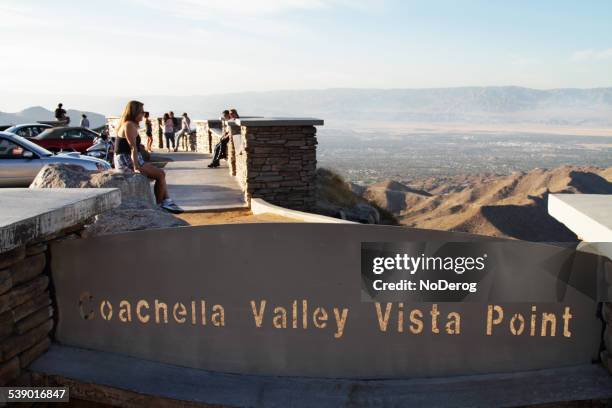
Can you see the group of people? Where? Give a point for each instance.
(172, 129)
(127, 146)
(61, 116)
(220, 151)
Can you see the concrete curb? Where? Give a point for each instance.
(260, 206)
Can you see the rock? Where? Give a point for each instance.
(137, 210)
(132, 217)
(61, 176)
(360, 212)
(133, 186)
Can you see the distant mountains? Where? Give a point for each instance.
(507, 104)
(38, 113)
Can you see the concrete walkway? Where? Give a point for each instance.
(195, 187)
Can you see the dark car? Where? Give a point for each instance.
(66, 139)
(28, 130)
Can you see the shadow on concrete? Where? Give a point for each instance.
(532, 222)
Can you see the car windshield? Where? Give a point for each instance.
(33, 147)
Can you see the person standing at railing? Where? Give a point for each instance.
(84, 121)
(148, 132)
(169, 131)
(184, 132)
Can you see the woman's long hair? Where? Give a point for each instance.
(130, 113)
(166, 117)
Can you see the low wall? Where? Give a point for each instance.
(26, 306)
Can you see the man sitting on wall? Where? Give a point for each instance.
(220, 151)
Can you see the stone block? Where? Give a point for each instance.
(15, 344)
(31, 306)
(35, 319)
(36, 249)
(23, 293)
(13, 256)
(28, 268)
(28, 356)
(6, 324)
(6, 282)
(9, 371)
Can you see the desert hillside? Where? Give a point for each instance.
(506, 206)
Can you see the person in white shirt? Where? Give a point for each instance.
(84, 121)
(184, 132)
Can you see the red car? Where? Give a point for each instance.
(66, 139)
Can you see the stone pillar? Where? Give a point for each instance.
(203, 134)
(26, 310)
(277, 161)
(232, 148)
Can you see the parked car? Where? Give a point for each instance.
(58, 139)
(28, 130)
(21, 160)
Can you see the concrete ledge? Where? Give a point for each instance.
(588, 215)
(137, 379)
(29, 214)
(279, 122)
(260, 206)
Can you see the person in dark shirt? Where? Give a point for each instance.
(148, 132)
(60, 114)
(175, 122)
(221, 147)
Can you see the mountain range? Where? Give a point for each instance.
(506, 104)
(38, 113)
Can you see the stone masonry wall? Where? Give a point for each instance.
(26, 310)
(202, 137)
(278, 164)
(606, 354)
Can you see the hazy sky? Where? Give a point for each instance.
(180, 47)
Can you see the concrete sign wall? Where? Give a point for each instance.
(285, 299)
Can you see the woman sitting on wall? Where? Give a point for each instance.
(221, 147)
(127, 155)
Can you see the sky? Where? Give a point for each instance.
(198, 47)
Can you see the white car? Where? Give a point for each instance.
(21, 160)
